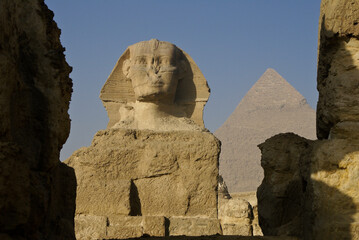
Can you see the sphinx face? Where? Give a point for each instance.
(152, 70)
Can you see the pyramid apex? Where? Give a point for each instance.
(270, 70)
(272, 74)
(272, 91)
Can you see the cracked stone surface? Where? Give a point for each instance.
(147, 173)
(37, 191)
(338, 65)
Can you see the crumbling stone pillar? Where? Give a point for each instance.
(37, 191)
(310, 189)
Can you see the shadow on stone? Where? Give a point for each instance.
(135, 201)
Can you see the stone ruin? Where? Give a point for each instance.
(310, 188)
(165, 180)
(37, 191)
(154, 170)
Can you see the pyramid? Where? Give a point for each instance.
(270, 107)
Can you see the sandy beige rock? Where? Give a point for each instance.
(37, 192)
(154, 226)
(173, 173)
(338, 64)
(120, 227)
(257, 230)
(310, 188)
(251, 197)
(103, 197)
(156, 86)
(120, 232)
(222, 189)
(88, 227)
(149, 174)
(236, 217)
(194, 226)
(135, 226)
(334, 195)
(124, 221)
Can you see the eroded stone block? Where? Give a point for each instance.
(123, 232)
(335, 184)
(194, 226)
(125, 220)
(154, 226)
(103, 197)
(88, 227)
(236, 217)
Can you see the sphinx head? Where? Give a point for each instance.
(154, 68)
(155, 72)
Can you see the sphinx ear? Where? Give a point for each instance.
(126, 67)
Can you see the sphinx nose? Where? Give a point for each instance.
(153, 73)
(155, 67)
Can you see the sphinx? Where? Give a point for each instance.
(156, 86)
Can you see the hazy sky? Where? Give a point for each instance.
(232, 42)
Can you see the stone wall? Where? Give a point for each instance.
(338, 65)
(143, 182)
(36, 191)
(310, 189)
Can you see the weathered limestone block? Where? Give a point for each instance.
(236, 217)
(172, 174)
(338, 64)
(120, 232)
(100, 197)
(118, 227)
(310, 188)
(135, 226)
(88, 227)
(154, 226)
(124, 227)
(320, 178)
(37, 191)
(251, 198)
(149, 174)
(334, 194)
(281, 194)
(257, 230)
(194, 226)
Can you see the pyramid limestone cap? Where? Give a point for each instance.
(272, 91)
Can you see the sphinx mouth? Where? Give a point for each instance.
(157, 83)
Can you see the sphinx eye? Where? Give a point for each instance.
(141, 61)
(164, 61)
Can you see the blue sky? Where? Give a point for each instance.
(232, 41)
